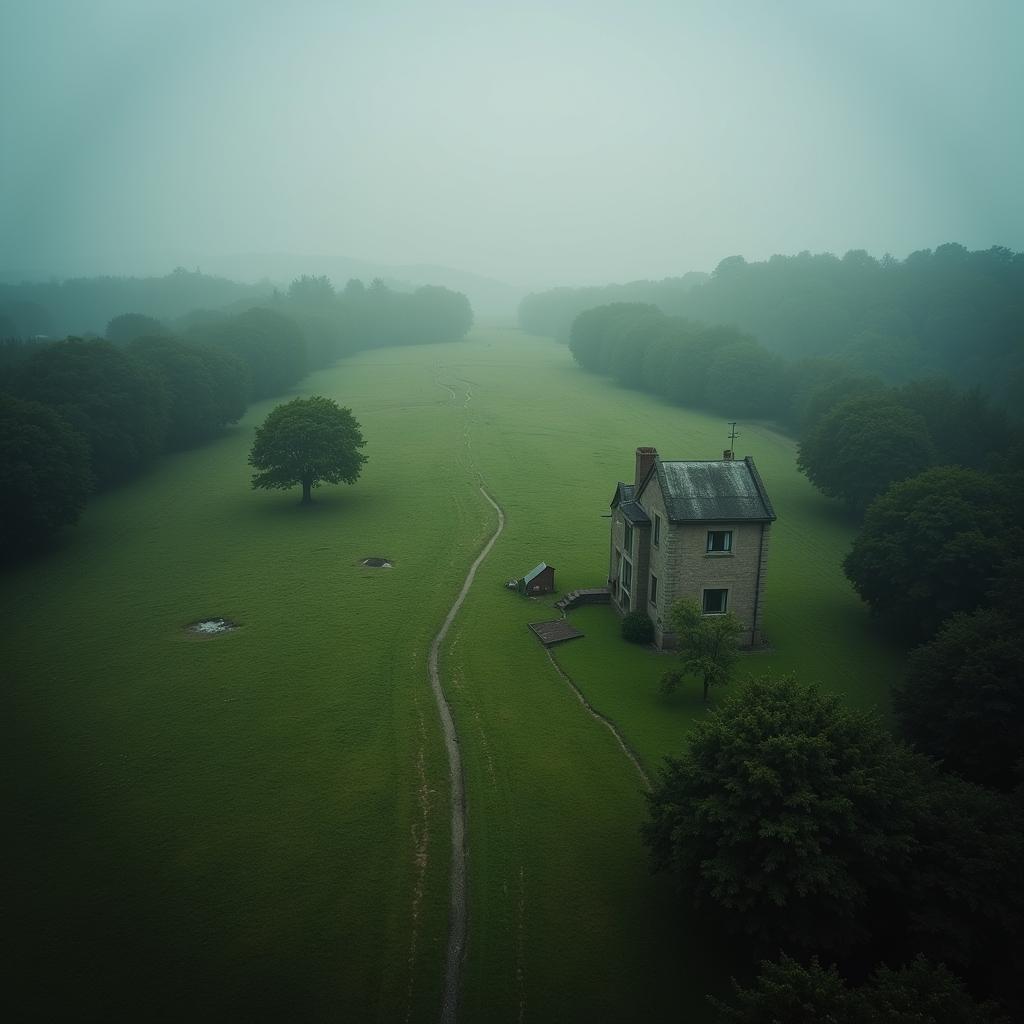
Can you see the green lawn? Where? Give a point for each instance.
(255, 826)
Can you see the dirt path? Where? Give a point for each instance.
(457, 921)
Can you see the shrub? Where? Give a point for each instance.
(637, 628)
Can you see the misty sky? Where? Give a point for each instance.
(534, 142)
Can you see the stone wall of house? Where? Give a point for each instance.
(662, 557)
(615, 546)
(684, 567)
(638, 557)
(690, 569)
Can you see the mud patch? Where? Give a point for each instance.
(377, 562)
(211, 627)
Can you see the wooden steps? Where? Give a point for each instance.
(591, 595)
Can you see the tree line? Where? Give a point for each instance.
(552, 312)
(86, 413)
(75, 305)
(947, 311)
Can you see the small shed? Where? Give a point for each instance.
(540, 580)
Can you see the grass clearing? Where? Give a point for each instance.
(234, 825)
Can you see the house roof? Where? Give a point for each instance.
(631, 509)
(534, 573)
(635, 513)
(623, 493)
(717, 491)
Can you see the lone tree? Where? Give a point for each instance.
(707, 644)
(307, 441)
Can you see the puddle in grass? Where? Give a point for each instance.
(211, 627)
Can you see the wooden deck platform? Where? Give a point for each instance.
(590, 595)
(554, 632)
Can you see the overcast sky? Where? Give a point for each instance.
(534, 142)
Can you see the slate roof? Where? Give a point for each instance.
(707, 492)
(623, 493)
(534, 573)
(631, 509)
(634, 512)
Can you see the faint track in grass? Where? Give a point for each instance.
(603, 719)
(457, 921)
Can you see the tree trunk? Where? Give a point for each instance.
(707, 684)
(307, 496)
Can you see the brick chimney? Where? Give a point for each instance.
(645, 458)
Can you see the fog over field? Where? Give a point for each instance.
(534, 143)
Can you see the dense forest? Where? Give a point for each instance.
(943, 311)
(88, 412)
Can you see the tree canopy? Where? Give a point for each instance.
(781, 811)
(269, 343)
(962, 699)
(307, 441)
(944, 311)
(117, 405)
(931, 545)
(205, 389)
(45, 478)
(862, 446)
(788, 992)
(129, 326)
(707, 644)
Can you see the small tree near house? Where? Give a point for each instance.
(708, 645)
(307, 441)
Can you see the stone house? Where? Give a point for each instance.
(690, 529)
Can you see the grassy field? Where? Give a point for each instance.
(254, 826)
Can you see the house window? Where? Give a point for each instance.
(657, 528)
(719, 541)
(627, 538)
(626, 582)
(654, 589)
(715, 602)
